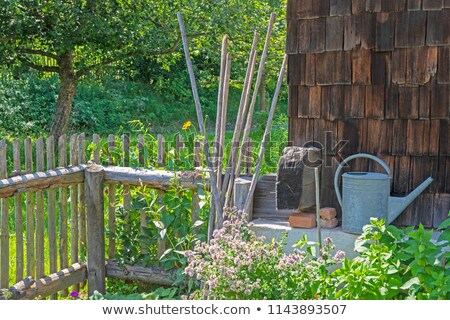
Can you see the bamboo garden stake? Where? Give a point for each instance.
(248, 201)
(214, 189)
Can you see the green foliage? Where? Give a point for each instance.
(397, 264)
(239, 265)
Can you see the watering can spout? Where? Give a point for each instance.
(398, 204)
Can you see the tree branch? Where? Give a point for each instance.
(87, 69)
(40, 52)
(39, 67)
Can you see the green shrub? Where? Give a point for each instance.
(239, 265)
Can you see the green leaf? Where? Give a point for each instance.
(198, 223)
(445, 224)
(158, 224)
(409, 283)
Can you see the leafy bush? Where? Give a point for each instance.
(397, 264)
(239, 265)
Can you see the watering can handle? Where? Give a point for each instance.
(344, 162)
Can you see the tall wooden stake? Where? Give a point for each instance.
(228, 181)
(248, 124)
(266, 135)
(201, 124)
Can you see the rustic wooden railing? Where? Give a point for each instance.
(59, 193)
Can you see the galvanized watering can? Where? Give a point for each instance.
(367, 194)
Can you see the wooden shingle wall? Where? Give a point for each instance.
(377, 74)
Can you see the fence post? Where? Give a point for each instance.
(94, 176)
(241, 188)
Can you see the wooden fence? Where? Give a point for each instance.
(43, 198)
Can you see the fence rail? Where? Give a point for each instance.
(43, 199)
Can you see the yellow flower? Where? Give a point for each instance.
(186, 125)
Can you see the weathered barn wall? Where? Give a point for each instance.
(375, 73)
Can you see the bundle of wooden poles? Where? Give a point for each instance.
(222, 183)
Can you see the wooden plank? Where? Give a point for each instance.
(425, 209)
(399, 137)
(447, 175)
(362, 139)
(432, 4)
(415, 144)
(303, 8)
(358, 6)
(74, 240)
(386, 137)
(292, 36)
(337, 102)
(4, 236)
(410, 29)
(94, 175)
(40, 216)
(96, 142)
(378, 75)
(29, 289)
(112, 203)
(438, 185)
(440, 101)
(441, 208)
(368, 30)
(373, 136)
(352, 31)
(126, 188)
(392, 101)
(62, 201)
(39, 181)
(315, 101)
(343, 73)
(310, 70)
(424, 101)
(317, 33)
(435, 127)
(292, 101)
(296, 69)
(408, 107)
(361, 66)
(350, 133)
(401, 175)
(30, 210)
(340, 7)
(303, 102)
(356, 107)
(413, 5)
(161, 151)
(198, 160)
(393, 6)
(398, 66)
(446, 3)
(142, 212)
(82, 197)
(326, 102)
(373, 5)
(334, 33)
(438, 28)
(443, 70)
(444, 137)
(428, 67)
(147, 274)
(18, 217)
(385, 28)
(264, 201)
(303, 36)
(321, 8)
(51, 210)
(375, 102)
(291, 10)
(326, 65)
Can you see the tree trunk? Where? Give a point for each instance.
(65, 95)
(262, 93)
